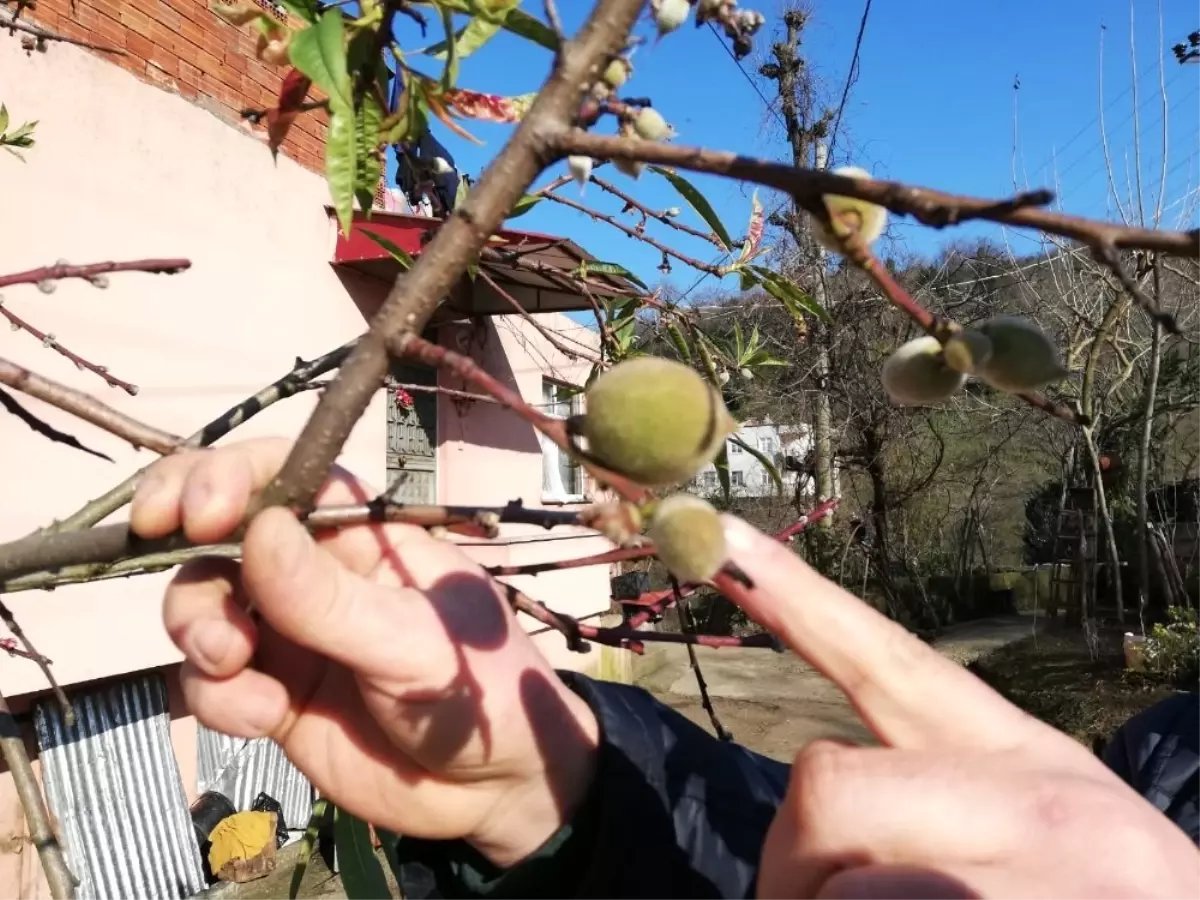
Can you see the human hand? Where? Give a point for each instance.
(385, 662)
(968, 796)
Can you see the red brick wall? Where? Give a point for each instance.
(181, 46)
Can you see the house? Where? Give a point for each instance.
(748, 477)
(144, 155)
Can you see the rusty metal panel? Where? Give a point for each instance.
(113, 783)
(241, 769)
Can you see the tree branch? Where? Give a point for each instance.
(457, 242)
(62, 270)
(88, 408)
(48, 340)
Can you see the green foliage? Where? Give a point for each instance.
(395, 252)
(786, 292)
(1172, 649)
(508, 17)
(606, 268)
(362, 876)
(322, 812)
(319, 51)
(698, 202)
(524, 205)
(20, 139)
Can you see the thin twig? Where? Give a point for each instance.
(88, 408)
(48, 340)
(660, 215)
(688, 625)
(437, 389)
(537, 326)
(62, 270)
(290, 384)
(9, 403)
(32, 652)
(41, 834)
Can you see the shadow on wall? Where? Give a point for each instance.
(473, 422)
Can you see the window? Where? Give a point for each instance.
(738, 479)
(735, 447)
(562, 476)
(709, 479)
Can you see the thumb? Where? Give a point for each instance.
(308, 596)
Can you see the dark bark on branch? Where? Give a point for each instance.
(45, 429)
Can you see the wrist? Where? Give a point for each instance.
(537, 807)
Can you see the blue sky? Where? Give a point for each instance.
(933, 105)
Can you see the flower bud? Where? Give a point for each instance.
(688, 537)
(865, 219)
(47, 286)
(617, 72)
(746, 374)
(631, 167)
(916, 374)
(651, 126)
(669, 14)
(671, 212)
(580, 168)
(967, 351)
(1023, 358)
(655, 421)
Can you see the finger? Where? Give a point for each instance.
(204, 614)
(309, 597)
(204, 491)
(866, 806)
(246, 705)
(908, 694)
(920, 883)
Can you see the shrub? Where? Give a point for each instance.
(1172, 649)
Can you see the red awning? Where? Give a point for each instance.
(540, 272)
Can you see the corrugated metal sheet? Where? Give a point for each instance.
(240, 769)
(113, 783)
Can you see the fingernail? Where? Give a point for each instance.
(209, 642)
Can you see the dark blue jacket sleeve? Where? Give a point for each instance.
(1157, 753)
(673, 812)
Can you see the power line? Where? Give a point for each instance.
(851, 77)
(737, 62)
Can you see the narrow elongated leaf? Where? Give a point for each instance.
(763, 459)
(362, 876)
(607, 268)
(524, 205)
(292, 92)
(468, 39)
(786, 292)
(722, 466)
(450, 72)
(321, 811)
(3, 118)
(698, 202)
(680, 342)
(319, 51)
(524, 25)
(395, 252)
(341, 163)
(389, 841)
(368, 123)
(754, 230)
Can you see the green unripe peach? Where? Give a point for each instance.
(617, 72)
(863, 218)
(967, 351)
(1023, 358)
(651, 126)
(655, 420)
(916, 374)
(688, 537)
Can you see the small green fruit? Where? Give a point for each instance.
(867, 219)
(916, 374)
(967, 351)
(1023, 358)
(580, 168)
(655, 420)
(617, 72)
(688, 537)
(631, 167)
(651, 126)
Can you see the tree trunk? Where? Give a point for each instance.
(1110, 538)
(1143, 461)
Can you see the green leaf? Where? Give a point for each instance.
(466, 40)
(395, 252)
(460, 192)
(319, 51)
(321, 811)
(524, 205)
(341, 163)
(607, 268)
(766, 462)
(450, 73)
(368, 123)
(3, 118)
(680, 342)
(787, 293)
(698, 202)
(389, 842)
(301, 9)
(362, 876)
(515, 21)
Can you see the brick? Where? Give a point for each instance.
(191, 32)
(47, 19)
(58, 7)
(111, 32)
(110, 8)
(207, 63)
(188, 72)
(187, 9)
(168, 16)
(166, 61)
(139, 46)
(136, 21)
(186, 90)
(235, 62)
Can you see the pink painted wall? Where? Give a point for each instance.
(123, 170)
